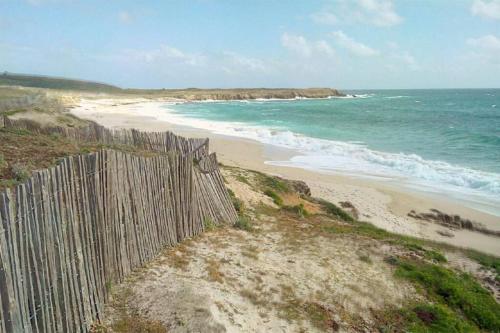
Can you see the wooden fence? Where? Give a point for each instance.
(93, 132)
(70, 231)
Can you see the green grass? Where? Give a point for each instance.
(54, 83)
(20, 171)
(209, 224)
(435, 256)
(335, 211)
(242, 179)
(273, 183)
(243, 223)
(275, 196)
(487, 261)
(459, 292)
(423, 318)
(3, 162)
(299, 210)
(237, 203)
(365, 258)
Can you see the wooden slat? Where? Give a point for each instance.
(72, 230)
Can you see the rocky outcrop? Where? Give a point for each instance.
(248, 94)
(298, 186)
(453, 221)
(350, 209)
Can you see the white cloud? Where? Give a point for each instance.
(485, 9)
(300, 45)
(125, 17)
(323, 47)
(408, 60)
(354, 47)
(43, 2)
(164, 54)
(488, 42)
(325, 17)
(379, 12)
(486, 47)
(297, 44)
(238, 62)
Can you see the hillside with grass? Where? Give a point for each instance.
(39, 81)
(8, 79)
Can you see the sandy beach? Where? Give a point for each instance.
(382, 203)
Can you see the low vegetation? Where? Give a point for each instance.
(459, 297)
(452, 301)
(487, 261)
(275, 196)
(22, 152)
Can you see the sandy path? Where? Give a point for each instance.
(381, 203)
(276, 278)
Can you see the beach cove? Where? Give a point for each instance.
(383, 203)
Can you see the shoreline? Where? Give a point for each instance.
(379, 202)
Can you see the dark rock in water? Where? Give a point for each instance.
(346, 204)
(445, 233)
(452, 221)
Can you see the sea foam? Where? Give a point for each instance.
(354, 158)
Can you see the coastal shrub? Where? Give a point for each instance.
(274, 183)
(437, 318)
(435, 256)
(365, 258)
(423, 318)
(237, 203)
(459, 292)
(3, 162)
(297, 209)
(20, 172)
(243, 223)
(209, 224)
(273, 195)
(486, 260)
(242, 179)
(335, 211)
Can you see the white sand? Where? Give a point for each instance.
(381, 203)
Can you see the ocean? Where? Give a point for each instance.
(443, 141)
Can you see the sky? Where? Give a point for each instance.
(345, 44)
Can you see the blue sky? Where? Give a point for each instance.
(348, 44)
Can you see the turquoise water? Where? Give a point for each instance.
(434, 138)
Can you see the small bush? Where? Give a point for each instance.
(243, 223)
(486, 260)
(298, 209)
(20, 172)
(3, 162)
(335, 211)
(438, 318)
(242, 179)
(365, 258)
(237, 203)
(208, 224)
(423, 318)
(273, 195)
(435, 256)
(459, 292)
(274, 183)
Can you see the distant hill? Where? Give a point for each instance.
(54, 83)
(189, 93)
